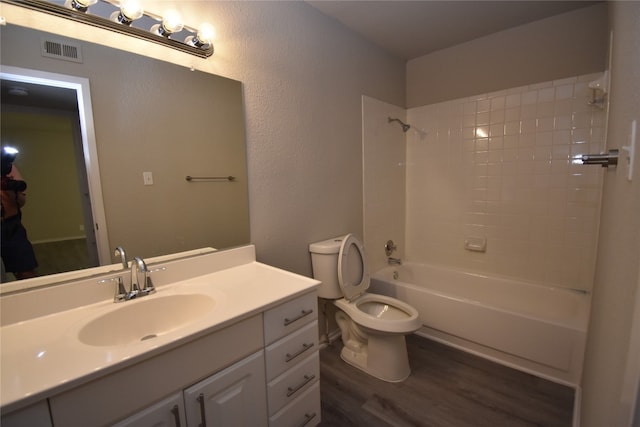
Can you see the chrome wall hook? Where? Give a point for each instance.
(603, 159)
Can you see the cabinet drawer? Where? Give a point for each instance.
(291, 350)
(293, 383)
(287, 317)
(303, 411)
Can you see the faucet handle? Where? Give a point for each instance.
(389, 247)
(148, 283)
(121, 293)
(148, 287)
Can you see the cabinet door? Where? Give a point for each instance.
(166, 413)
(234, 397)
(34, 415)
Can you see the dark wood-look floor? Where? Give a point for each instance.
(61, 256)
(447, 388)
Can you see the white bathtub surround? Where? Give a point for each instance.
(534, 328)
(384, 175)
(499, 166)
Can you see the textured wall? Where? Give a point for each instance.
(565, 45)
(610, 377)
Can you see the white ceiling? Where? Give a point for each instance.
(410, 29)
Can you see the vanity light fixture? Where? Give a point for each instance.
(128, 17)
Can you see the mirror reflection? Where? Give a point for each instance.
(154, 123)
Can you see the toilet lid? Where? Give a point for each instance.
(353, 274)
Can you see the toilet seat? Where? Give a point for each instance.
(353, 272)
(376, 312)
(381, 313)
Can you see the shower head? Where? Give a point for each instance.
(405, 127)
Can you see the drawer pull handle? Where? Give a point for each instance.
(304, 348)
(176, 414)
(307, 380)
(302, 314)
(308, 418)
(203, 417)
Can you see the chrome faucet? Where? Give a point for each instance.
(123, 257)
(394, 261)
(144, 287)
(137, 288)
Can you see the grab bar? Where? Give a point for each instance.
(210, 178)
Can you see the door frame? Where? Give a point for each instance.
(87, 134)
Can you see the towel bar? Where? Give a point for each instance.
(210, 178)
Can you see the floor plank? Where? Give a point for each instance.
(447, 388)
(61, 256)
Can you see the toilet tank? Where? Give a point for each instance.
(324, 261)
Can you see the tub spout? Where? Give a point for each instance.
(394, 261)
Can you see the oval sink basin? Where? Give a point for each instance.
(145, 319)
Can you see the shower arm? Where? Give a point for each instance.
(405, 127)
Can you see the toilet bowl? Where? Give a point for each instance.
(373, 327)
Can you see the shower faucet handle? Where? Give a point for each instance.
(389, 247)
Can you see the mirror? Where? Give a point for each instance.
(155, 123)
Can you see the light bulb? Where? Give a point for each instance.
(206, 33)
(86, 3)
(172, 22)
(130, 10)
(203, 38)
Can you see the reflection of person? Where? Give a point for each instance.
(17, 253)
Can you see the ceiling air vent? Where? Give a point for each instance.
(65, 50)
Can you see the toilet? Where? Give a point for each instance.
(373, 327)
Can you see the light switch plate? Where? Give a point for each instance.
(147, 178)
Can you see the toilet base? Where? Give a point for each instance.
(382, 356)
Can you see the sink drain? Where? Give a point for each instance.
(148, 337)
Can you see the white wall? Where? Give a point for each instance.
(564, 45)
(303, 78)
(606, 397)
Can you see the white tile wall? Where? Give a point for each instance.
(499, 166)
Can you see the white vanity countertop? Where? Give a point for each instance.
(43, 356)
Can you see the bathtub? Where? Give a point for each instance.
(537, 329)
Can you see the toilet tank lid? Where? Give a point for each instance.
(329, 246)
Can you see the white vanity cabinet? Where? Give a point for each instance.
(251, 359)
(219, 400)
(234, 397)
(167, 413)
(292, 362)
(124, 393)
